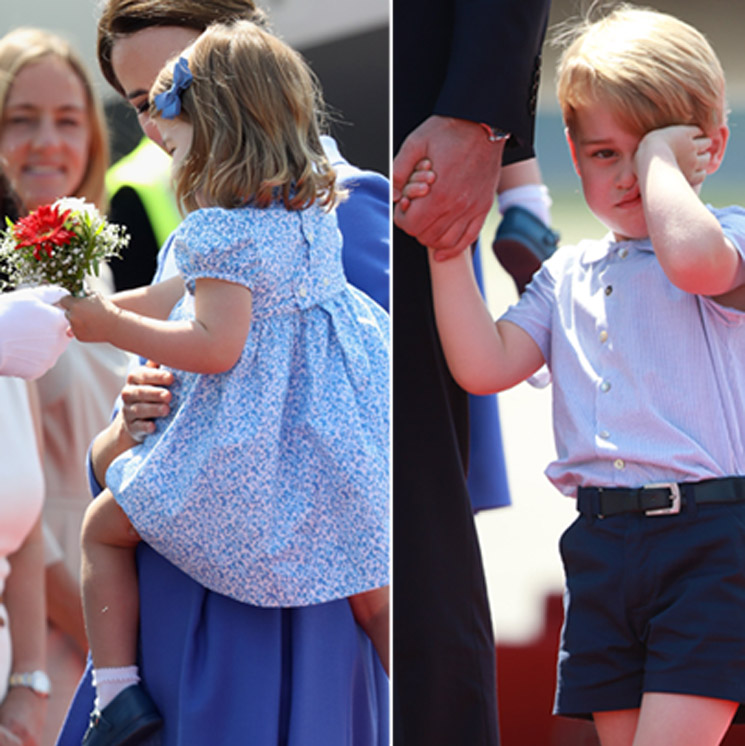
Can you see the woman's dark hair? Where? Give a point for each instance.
(10, 205)
(125, 17)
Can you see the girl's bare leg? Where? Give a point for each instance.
(371, 611)
(109, 583)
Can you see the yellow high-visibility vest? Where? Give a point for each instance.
(147, 170)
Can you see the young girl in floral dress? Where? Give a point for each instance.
(269, 481)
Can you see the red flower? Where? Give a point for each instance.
(44, 229)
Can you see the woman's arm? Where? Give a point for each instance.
(211, 343)
(64, 609)
(688, 240)
(144, 398)
(22, 712)
(483, 357)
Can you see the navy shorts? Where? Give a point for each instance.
(652, 604)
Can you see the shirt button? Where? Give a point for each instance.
(605, 387)
(619, 464)
(623, 253)
(302, 292)
(603, 336)
(604, 434)
(609, 290)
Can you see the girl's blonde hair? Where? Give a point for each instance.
(255, 108)
(24, 46)
(651, 69)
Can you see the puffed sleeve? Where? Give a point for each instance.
(218, 244)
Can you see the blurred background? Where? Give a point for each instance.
(520, 543)
(345, 42)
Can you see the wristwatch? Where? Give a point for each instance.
(37, 681)
(494, 134)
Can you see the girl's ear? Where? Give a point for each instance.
(719, 139)
(572, 149)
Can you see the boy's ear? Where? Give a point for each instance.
(719, 140)
(572, 149)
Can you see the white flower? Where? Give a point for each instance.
(77, 205)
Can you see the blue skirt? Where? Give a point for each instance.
(223, 672)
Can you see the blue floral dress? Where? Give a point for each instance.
(269, 483)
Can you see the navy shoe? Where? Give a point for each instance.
(523, 242)
(127, 720)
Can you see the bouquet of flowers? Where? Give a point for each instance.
(58, 244)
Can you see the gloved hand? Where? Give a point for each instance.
(33, 332)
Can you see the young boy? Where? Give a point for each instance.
(644, 334)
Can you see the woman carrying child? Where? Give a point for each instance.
(269, 480)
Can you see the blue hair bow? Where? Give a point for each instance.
(169, 102)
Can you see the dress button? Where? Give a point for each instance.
(619, 464)
(603, 336)
(605, 387)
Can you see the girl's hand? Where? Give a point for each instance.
(420, 180)
(690, 147)
(91, 318)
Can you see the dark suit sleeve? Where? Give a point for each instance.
(493, 68)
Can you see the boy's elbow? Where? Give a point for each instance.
(475, 383)
(706, 276)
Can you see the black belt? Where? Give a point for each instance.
(658, 499)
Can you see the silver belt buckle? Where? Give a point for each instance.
(671, 509)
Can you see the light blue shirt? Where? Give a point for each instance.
(648, 380)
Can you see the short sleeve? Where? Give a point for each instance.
(732, 220)
(219, 244)
(534, 311)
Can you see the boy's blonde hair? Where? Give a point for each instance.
(255, 109)
(651, 69)
(25, 46)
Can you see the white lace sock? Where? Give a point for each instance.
(533, 197)
(111, 681)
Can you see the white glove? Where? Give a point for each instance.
(33, 332)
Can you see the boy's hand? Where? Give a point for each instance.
(420, 180)
(690, 147)
(91, 318)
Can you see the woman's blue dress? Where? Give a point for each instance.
(225, 672)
